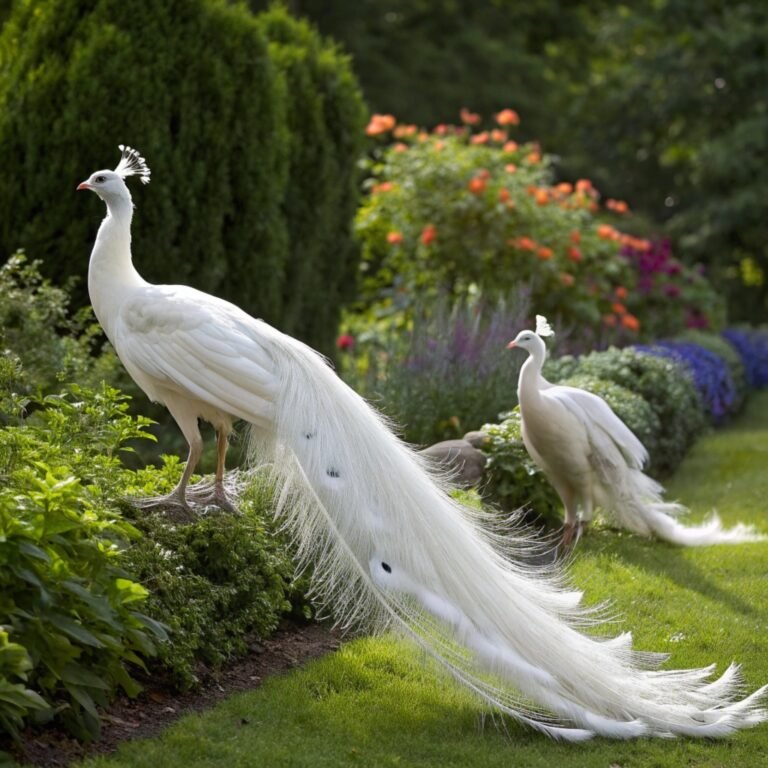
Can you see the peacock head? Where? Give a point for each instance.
(533, 342)
(110, 185)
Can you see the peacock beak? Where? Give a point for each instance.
(511, 345)
(84, 185)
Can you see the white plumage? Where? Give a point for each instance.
(593, 459)
(389, 547)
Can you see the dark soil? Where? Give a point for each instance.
(157, 707)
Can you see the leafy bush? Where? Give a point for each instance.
(224, 176)
(64, 599)
(671, 296)
(666, 387)
(216, 583)
(514, 480)
(708, 371)
(443, 376)
(37, 327)
(452, 211)
(752, 346)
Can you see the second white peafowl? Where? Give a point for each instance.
(593, 459)
(389, 547)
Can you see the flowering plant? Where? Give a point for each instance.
(467, 209)
(752, 346)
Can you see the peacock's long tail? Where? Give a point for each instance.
(390, 548)
(636, 502)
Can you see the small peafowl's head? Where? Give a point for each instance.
(109, 185)
(533, 341)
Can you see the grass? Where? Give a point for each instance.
(377, 702)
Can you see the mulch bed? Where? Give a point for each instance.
(157, 707)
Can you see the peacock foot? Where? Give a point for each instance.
(571, 534)
(173, 506)
(211, 494)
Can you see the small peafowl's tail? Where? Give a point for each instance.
(390, 549)
(636, 503)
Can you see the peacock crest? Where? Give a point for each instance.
(132, 164)
(543, 328)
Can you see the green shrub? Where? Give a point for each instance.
(217, 584)
(668, 390)
(514, 480)
(325, 119)
(37, 327)
(64, 599)
(192, 84)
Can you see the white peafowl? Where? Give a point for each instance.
(390, 548)
(593, 459)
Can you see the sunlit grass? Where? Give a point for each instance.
(377, 702)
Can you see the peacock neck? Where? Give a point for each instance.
(531, 380)
(111, 274)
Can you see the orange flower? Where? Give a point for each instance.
(564, 188)
(618, 206)
(510, 168)
(438, 146)
(567, 279)
(621, 292)
(384, 186)
(630, 322)
(401, 131)
(606, 232)
(380, 124)
(476, 185)
(574, 254)
(524, 243)
(534, 158)
(510, 146)
(544, 253)
(484, 174)
(469, 118)
(575, 236)
(609, 320)
(400, 147)
(583, 185)
(619, 308)
(442, 129)
(394, 237)
(541, 196)
(479, 138)
(508, 117)
(503, 195)
(428, 234)
(498, 135)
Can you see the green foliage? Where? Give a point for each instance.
(36, 326)
(667, 389)
(450, 212)
(193, 85)
(514, 480)
(217, 584)
(325, 119)
(64, 599)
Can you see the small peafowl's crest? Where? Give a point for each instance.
(543, 328)
(132, 164)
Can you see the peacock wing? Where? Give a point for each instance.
(174, 339)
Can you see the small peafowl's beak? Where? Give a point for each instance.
(83, 185)
(511, 345)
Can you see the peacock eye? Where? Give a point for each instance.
(100, 179)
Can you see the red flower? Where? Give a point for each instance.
(508, 117)
(380, 124)
(480, 138)
(394, 237)
(345, 342)
(574, 254)
(630, 322)
(619, 308)
(545, 253)
(621, 292)
(503, 195)
(477, 185)
(428, 234)
(470, 118)
(575, 236)
(510, 146)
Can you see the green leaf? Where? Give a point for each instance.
(78, 675)
(74, 630)
(83, 698)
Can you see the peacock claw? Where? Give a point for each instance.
(173, 506)
(211, 494)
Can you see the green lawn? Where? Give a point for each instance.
(379, 703)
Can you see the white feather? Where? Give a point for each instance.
(543, 328)
(389, 547)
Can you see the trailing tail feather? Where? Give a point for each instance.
(390, 549)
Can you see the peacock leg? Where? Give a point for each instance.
(205, 493)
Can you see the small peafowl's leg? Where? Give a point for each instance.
(571, 525)
(204, 493)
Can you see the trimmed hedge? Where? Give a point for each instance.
(199, 89)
